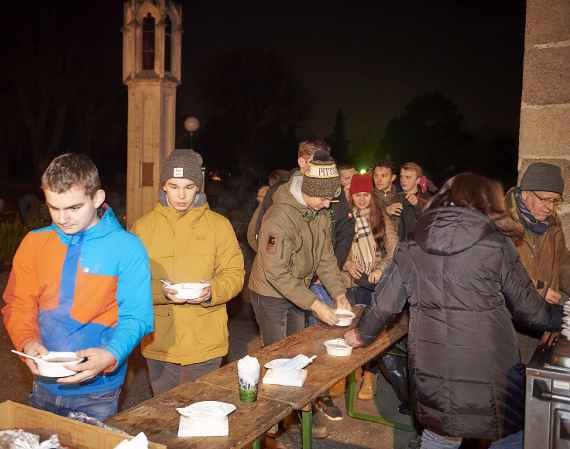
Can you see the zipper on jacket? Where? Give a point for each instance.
(313, 265)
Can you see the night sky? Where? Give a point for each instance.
(371, 61)
(368, 60)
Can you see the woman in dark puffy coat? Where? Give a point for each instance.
(465, 285)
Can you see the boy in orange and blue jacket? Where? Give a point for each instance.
(81, 285)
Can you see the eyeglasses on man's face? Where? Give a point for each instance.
(552, 202)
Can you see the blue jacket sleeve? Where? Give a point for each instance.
(134, 299)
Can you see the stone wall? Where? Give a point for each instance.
(545, 106)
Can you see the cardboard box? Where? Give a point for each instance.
(71, 433)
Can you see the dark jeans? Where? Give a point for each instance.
(319, 289)
(164, 376)
(97, 405)
(277, 317)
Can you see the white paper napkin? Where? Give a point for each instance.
(138, 442)
(285, 377)
(288, 372)
(205, 419)
(297, 362)
(248, 372)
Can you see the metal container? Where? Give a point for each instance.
(547, 403)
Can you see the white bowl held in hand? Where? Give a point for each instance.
(344, 317)
(337, 347)
(188, 290)
(53, 364)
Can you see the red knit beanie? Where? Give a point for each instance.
(360, 183)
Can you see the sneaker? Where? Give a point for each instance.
(328, 408)
(320, 429)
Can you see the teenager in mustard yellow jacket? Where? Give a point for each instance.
(187, 242)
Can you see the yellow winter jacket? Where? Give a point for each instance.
(191, 247)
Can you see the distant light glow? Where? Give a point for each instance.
(362, 171)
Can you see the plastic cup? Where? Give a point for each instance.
(247, 393)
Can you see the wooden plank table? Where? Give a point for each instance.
(158, 418)
(323, 373)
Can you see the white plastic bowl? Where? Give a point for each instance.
(53, 364)
(337, 347)
(344, 317)
(189, 290)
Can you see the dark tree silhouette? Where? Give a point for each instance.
(254, 106)
(338, 139)
(64, 97)
(429, 132)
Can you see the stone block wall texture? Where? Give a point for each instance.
(545, 106)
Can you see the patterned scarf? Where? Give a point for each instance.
(363, 245)
(531, 223)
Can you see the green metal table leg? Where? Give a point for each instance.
(307, 427)
(256, 444)
(350, 411)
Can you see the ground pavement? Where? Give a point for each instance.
(15, 384)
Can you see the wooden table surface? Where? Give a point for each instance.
(158, 418)
(323, 373)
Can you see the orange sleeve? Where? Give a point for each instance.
(21, 295)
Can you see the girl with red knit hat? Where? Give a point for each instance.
(375, 240)
(375, 236)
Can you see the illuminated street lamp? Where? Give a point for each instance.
(191, 124)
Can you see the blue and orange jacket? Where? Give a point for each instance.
(86, 290)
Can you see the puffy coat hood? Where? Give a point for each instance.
(451, 230)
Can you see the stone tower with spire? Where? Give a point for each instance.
(152, 41)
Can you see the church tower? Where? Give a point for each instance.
(152, 41)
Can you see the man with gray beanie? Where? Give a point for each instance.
(187, 242)
(542, 249)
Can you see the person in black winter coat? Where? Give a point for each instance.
(465, 284)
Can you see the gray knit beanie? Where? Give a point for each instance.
(182, 164)
(321, 178)
(542, 177)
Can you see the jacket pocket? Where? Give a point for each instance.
(301, 264)
(211, 331)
